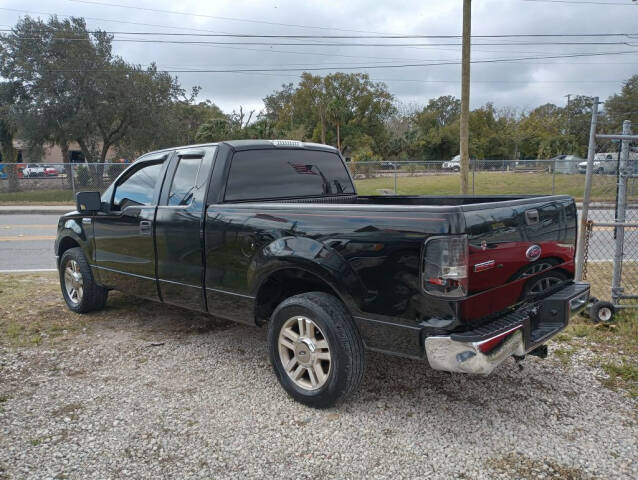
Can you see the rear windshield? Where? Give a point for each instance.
(279, 173)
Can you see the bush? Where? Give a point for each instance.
(83, 177)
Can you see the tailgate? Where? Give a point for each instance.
(518, 252)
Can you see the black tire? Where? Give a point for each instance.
(602, 312)
(345, 344)
(542, 282)
(93, 296)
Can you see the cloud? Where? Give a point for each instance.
(522, 85)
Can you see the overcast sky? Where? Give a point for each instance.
(522, 84)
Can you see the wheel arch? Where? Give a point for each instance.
(302, 265)
(72, 235)
(66, 243)
(292, 279)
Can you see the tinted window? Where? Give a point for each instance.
(184, 181)
(138, 188)
(286, 173)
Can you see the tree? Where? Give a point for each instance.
(439, 112)
(227, 127)
(577, 119)
(9, 94)
(78, 90)
(622, 106)
(311, 103)
(279, 107)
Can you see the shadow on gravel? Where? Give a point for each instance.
(391, 382)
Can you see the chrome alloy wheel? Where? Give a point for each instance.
(73, 283)
(536, 268)
(544, 283)
(304, 353)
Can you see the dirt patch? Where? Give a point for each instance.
(517, 465)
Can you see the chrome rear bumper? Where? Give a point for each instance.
(466, 357)
(481, 350)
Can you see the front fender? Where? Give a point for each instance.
(313, 257)
(73, 230)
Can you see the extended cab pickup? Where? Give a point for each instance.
(273, 232)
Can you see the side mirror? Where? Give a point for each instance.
(88, 201)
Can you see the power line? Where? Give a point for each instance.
(269, 50)
(366, 67)
(331, 44)
(260, 50)
(397, 37)
(217, 17)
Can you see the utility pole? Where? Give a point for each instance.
(465, 96)
(569, 126)
(584, 214)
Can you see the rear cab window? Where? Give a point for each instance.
(284, 173)
(185, 181)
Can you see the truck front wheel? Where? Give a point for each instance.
(315, 349)
(79, 290)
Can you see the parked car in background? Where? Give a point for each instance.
(3, 174)
(607, 163)
(33, 170)
(566, 164)
(454, 164)
(390, 166)
(50, 171)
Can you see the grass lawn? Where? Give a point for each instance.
(492, 183)
(38, 197)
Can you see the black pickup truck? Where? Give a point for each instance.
(273, 233)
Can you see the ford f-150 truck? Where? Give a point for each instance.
(273, 233)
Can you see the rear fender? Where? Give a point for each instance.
(313, 257)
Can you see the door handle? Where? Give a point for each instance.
(145, 227)
(532, 217)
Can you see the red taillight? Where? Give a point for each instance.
(445, 266)
(489, 345)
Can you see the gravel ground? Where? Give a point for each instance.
(104, 403)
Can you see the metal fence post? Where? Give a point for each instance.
(396, 192)
(621, 202)
(473, 171)
(584, 214)
(72, 181)
(554, 177)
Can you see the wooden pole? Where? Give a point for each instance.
(465, 97)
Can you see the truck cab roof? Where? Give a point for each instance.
(253, 144)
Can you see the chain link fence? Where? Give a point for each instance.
(611, 240)
(55, 182)
(59, 182)
(487, 177)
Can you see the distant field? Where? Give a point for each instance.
(37, 197)
(493, 183)
(485, 183)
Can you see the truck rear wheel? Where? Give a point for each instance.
(79, 290)
(315, 349)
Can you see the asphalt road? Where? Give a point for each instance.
(26, 241)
